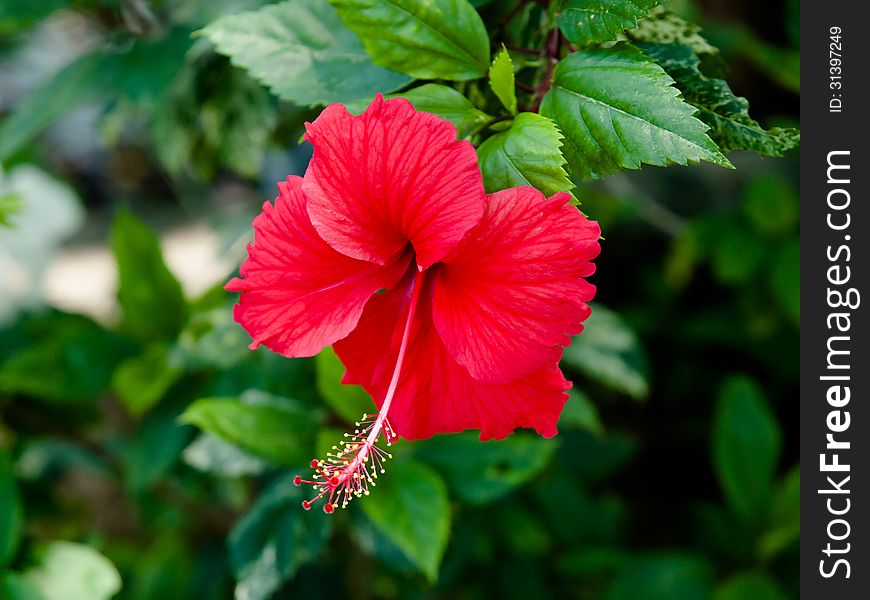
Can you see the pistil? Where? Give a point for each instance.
(352, 467)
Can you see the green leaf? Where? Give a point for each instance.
(303, 52)
(664, 27)
(72, 360)
(151, 299)
(618, 109)
(142, 381)
(214, 115)
(348, 401)
(275, 428)
(410, 507)
(663, 577)
(526, 154)
(587, 22)
(211, 454)
(68, 571)
(434, 39)
(736, 253)
(785, 520)
(11, 513)
(581, 413)
(439, 100)
(746, 446)
(480, 472)
(785, 279)
(9, 205)
(731, 127)
(274, 539)
(608, 351)
(73, 85)
(771, 205)
(14, 586)
(501, 80)
(750, 584)
(154, 448)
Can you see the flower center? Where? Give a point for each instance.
(353, 465)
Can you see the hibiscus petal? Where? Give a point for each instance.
(513, 292)
(389, 176)
(298, 294)
(434, 393)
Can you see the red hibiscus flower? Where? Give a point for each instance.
(448, 305)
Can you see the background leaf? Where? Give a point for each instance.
(348, 401)
(11, 513)
(434, 39)
(275, 428)
(73, 85)
(608, 351)
(68, 571)
(303, 52)
(409, 506)
(142, 381)
(480, 472)
(587, 22)
(746, 446)
(757, 586)
(151, 299)
(526, 154)
(663, 577)
(618, 109)
(274, 539)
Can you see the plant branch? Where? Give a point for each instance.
(552, 59)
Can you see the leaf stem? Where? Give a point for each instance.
(489, 123)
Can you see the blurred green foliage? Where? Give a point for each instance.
(151, 454)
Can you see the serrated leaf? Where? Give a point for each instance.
(151, 299)
(439, 100)
(664, 27)
(501, 80)
(526, 154)
(731, 127)
(303, 52)
(349, 401)
(275, 428)
(746, 445)
(434, 39)
(587, 22)
(412, 510)
(68, 571)
(274, 539)
(480, 472)
(618, 109)
(609, 351)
